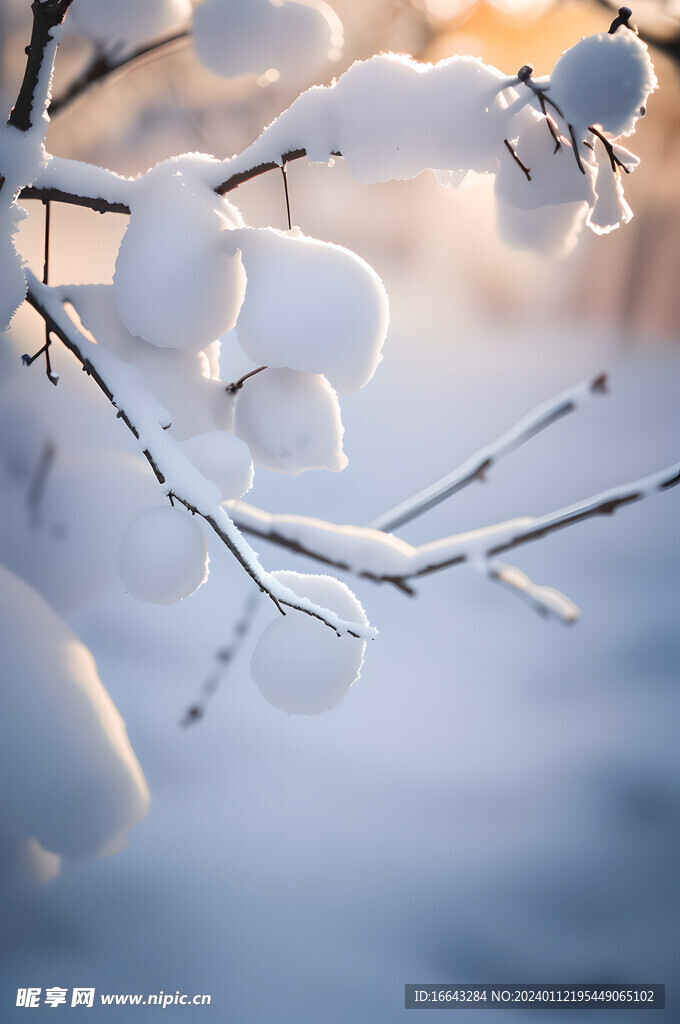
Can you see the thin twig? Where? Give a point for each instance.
(39, 481)
(613, 158)
(224, 657)
(104, 65)
(284, 172)
(238, 384)
(574, 143)
(517, 160)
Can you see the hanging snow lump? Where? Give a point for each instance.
(290, 422)
(312, 306)
(163, 557)
(299, 664)
(179, 281)
(604, 80)
(222, 458)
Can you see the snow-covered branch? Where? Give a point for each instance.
(125, 388)
(384, 558)
(546, 601)
(477, 466)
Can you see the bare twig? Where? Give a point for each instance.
(238, 384)
(224, 658)
(284, 172)
(476, 467)
(613, 158)
(39, 480)
(517, 160)
(104, 65)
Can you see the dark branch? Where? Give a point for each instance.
(104, 65)
(46, 16)
(238, 384)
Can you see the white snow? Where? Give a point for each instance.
(13, 289)
(367, 551)
(550, 230)
(311, 306)
(195, 403)
(127, 387)
(611, 208)
(72, 784)
(222, 458)
(394, 117)
(164, 556)
(127, 24)
(300, 666)
(290, 421)
(252, 37)
(178, 282)
(555, 176)
(604, 80)
(83, 179)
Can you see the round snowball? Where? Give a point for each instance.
(290, 422)
(300, 665)
(164, 556)
(222, 458)
(179, 281)
(606, 80)
(312, 306)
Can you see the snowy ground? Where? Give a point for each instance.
(497, 798)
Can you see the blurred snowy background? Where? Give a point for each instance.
(497, 798)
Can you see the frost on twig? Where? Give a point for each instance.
(384, 558)
(545, 601)
(477, 466)
(146, 419)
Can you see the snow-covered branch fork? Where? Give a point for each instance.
(310, 317)
(371, 554)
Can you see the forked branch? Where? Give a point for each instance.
(383, 558)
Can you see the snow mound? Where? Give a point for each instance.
(73, 787)
(299, 664)
(164, 556)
